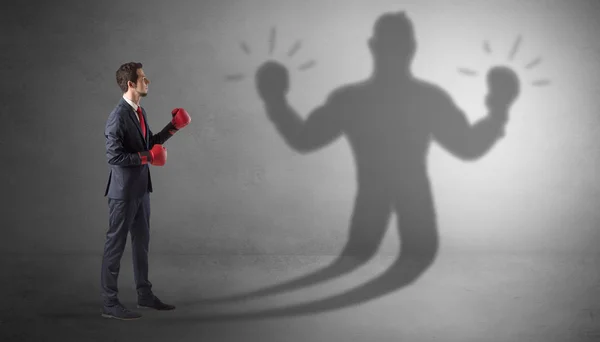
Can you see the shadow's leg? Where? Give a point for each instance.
(417, 227)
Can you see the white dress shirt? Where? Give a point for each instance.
(135, 107)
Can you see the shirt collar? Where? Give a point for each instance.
(135, 107)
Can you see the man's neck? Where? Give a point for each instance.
(133, 97)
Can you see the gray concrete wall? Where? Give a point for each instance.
(231, 184)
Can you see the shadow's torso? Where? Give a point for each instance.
(389, 129)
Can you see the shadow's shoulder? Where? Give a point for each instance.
(349, 91)
(431, 89)
(435, 97)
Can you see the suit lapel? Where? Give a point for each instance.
(136, 122)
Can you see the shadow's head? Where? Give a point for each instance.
(393, 43)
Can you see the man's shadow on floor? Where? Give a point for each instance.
(390, 121)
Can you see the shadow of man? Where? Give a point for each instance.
(390, 121)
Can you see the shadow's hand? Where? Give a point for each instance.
(272, 82)
(504, 88)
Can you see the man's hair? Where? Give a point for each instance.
(127, 72)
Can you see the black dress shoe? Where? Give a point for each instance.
(119, 311)
(153, 303)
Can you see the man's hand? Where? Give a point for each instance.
(272, 82)
(156, 156)
(159, 155)
(181, 118)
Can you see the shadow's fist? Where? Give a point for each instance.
(272, 81)
(504, 88)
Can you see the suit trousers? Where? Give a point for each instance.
(126, 216)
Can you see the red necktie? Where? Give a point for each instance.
(142, 124)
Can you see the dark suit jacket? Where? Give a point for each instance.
(128, 178)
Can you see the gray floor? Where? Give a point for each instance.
(476, 297)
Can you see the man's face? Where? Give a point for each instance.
(141, 87)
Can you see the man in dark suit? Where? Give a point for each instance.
(130, 148)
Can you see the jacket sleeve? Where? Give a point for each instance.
(161, 137)
(115, 151)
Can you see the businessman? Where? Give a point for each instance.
(130, 148)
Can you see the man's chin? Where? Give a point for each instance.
(143, 94)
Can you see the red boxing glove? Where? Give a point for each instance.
(181, 118)
(157, 156)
